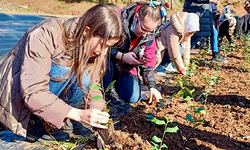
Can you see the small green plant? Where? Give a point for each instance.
(185, 92)
(194, 119)
(193, 65)
(158, 142)
(105, 109)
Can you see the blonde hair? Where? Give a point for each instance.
(153, 13)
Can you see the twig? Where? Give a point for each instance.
(124, 127)
(134, 121)
(182, 136)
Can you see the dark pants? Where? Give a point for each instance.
(224, 31)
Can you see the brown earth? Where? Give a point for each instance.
(226, 122)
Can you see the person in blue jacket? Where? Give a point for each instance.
(204, 10)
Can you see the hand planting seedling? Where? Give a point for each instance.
(158, 142)
(104, 136)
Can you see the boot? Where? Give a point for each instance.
(218, 58)
(113, 97)
(37, 131)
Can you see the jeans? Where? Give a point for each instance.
(213, 41)
(128, 87)
(74, 96)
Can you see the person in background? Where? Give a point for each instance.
(45, 77)
(139, 20)
(203, 9)
(173, 44)
(216, 14)
(247, 6)
(227, 14)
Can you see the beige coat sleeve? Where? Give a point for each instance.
(174, 48)
(42, 42)
(186, 54)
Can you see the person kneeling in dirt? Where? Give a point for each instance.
(139, 20)
(45, 77)
(174, 42)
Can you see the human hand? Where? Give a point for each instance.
(93, 117)
(130, 58)
(154, 95)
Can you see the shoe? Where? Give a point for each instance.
(218, 58)
(113, 97)
(171, 68)
(79, 129)
(160, 70)
(36, 132)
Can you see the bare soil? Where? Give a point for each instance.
(226, 122)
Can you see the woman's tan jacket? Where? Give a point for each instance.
(171, 40)
(24, 78)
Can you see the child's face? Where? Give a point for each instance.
(97, 46)
(145, 26)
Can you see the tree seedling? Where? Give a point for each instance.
(105, 109)
(193, 119)
(184, 91)
(158, 142)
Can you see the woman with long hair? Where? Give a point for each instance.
(45, 78)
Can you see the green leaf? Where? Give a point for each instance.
(157, 121)
(156, 139)
(95, 87)
(171, 120)
(214, 77)
(150, 116)
(205, 77)
(211, 82)
(181, 93)
(187, 98)
(96, 98)
(196, 125)
(172, 129)
(164, 146)
(180, 84)
(191, 84)
(110, 86)
(189, 118)
(199, 120)
(192, 91)
(156, 146)
(200, 110)
(184, 81)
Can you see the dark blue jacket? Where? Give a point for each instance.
(204, 10)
